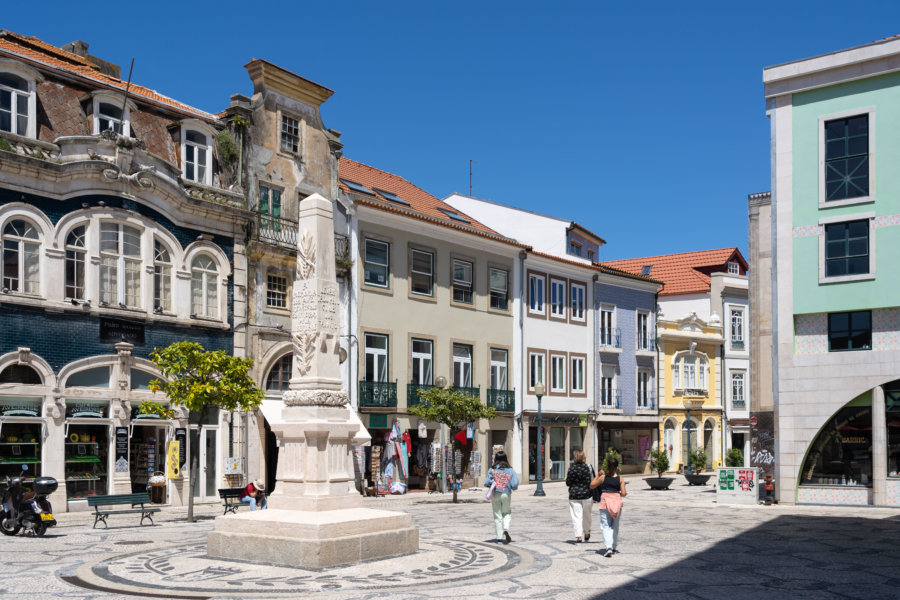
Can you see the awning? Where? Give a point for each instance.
(271, 409)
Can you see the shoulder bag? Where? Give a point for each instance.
(595, 492)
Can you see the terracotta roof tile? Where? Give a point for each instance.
(685, 273)
(422, 205)
(37, 51)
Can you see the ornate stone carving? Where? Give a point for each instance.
(138, 178)
(306, 256)
(315, 398)
(304, 351)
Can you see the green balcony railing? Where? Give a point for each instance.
(502, 400)
(378, 394)
(471, 391)
(412, 393)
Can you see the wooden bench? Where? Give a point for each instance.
(131, 500)
(232, 499)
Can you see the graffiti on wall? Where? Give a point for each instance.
(762, 441)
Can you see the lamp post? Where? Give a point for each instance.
(539, 392)
(688, 404)
(441, 382)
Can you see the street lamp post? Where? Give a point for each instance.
(441, 382)
(688, 404)
(539, 392)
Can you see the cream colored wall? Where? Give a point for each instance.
(395, 312)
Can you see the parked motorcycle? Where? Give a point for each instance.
(30, 511)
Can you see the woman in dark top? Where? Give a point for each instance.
(578, 479)
(612, 487)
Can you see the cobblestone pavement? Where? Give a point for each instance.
(674, 544)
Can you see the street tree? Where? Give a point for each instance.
(200, 380)
(453, 408)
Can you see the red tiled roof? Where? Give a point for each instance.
(422, 205)
(685, 273)
(37, 51)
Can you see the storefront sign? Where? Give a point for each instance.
(181, 438)
(86, 409)
(113, 331)
(573, 420)
(121, 449)
(378, 421)
(173, 455)
(20, 410)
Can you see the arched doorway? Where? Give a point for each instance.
(688, 431)
(669, 440)
(708, 445)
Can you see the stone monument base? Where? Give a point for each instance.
(312, 539)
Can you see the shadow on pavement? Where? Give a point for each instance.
(795, 556)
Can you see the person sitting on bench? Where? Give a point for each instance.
(255, 494)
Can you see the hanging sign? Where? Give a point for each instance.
(470, 431)
(181, 438)
(173, 455)
(121, 449)
(423, 430)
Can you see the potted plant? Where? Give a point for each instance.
(734, 458)
(697, 460)
(659, 462)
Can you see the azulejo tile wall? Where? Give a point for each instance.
(834, 495)
(810, 334)
(886, 329)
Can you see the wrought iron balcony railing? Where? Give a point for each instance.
(378, 394)
(646, 402)
(738, 404)
(412, 393)
(502, 400)
(695, 392)
(276, 230)
(646, 344)
(610, 399)
(610, 338)
(471, 391)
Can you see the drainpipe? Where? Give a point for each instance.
(724, 405)
(660, 379)
(523, 362)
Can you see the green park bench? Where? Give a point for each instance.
(131, 500)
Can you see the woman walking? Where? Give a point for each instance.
(612, 488)
(578, 480)
(504, 480)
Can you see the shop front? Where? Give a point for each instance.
(561, 434)
(22, 433)
(632, 441)
(147, 442)
(87, 451)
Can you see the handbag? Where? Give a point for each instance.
(595, 492)
(489, 495)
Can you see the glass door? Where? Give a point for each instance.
(204, 441)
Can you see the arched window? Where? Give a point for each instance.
(196, 156)
(204, 296)
(688, 429)
(140, 380)
(22, 374)
(15, 104)
(280, 376)
(689, 372)
(669, 440)
(75, 252)
(708, 445)
(120, 264)
(162, 277)
(21, 257)
(109, 116)
(98, 377)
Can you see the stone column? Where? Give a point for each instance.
(879, 447)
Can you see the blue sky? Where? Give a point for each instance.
(643, 121)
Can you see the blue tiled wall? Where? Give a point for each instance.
(627, 302)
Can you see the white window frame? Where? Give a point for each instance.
(202, 128)
(386, 266)
(578, 365)
(208, 280)
(738, 376)
(429, 274)
(699, 363)
(273, 295)
(607, 326)
(462, 366)
(493, 289)
(734, 268)
(557, 288)
(870, 110)
(31, 78)
(298, 135)
(76, 255)
(127, 267)
(607, 384)
(577, 302)
(162, 277)
(643, 337)
(536, 369)
(116, 101)
(464, 285)
(644, 387)
(380, 358)
(737, 326)
(870, 216)
(28, 249)
(536, 292)
(558, 382)
(425, 362)
(499, 370)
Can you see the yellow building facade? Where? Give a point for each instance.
(690, 409)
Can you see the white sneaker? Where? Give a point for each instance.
(609, 553)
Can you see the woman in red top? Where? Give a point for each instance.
(253, 494)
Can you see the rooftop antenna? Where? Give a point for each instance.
(470, 176)
(125, 99)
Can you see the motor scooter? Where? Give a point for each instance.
(27, 511)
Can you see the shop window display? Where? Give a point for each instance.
(20, 445)
(147, 453)
(86, 452)
(842, 452)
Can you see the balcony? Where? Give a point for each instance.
(502, 400)
(738, 405)
(737, 344)
(646, 403)
(277, 231)
(377, 394)
(611, 340)
(412, 393)
(610, 400)
(646, 345)
(469, 391)
(695, 392)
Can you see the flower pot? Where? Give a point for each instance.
(659, 483)
(697, 479)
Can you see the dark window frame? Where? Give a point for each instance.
(848, 262)
(847, 165)
(852, 336)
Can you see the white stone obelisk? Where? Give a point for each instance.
(315, 516)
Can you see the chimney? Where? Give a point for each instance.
(80, 48)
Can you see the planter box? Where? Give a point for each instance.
(697, 479)
(659, 483)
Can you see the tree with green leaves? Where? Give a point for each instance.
(453, 408)
(200, 380)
